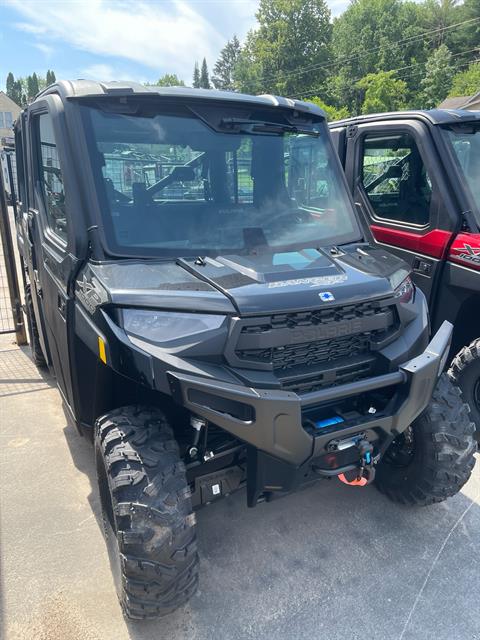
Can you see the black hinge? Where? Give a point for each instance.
(352, 130)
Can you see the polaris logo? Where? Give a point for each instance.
(326, 296)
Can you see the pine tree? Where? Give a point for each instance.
(196, 76)
(32, 86)
(18, 95)
(35, 86)
(50, 77)
(224, 68)
(10, 85)
(204, 77)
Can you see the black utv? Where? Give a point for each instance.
(416, 177)
(201, 287)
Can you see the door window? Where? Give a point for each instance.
(395, 179)
(50, 177)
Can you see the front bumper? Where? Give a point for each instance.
(272, 421)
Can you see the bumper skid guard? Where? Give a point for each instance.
(270, 420)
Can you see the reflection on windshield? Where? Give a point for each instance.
(174, 186)
(466, 145)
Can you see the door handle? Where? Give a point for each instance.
(420, 265)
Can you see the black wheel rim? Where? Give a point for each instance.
(402, 450)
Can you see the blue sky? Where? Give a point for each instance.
(130, 40)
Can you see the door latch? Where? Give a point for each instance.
(38, 286)
(62, 305)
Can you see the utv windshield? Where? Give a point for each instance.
(465, 141)
(173, 183)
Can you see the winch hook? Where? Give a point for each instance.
(366, 470)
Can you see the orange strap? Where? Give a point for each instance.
(358, 482)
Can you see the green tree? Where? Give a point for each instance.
(15, 89)
(21, 97)
(32, 86)
(372, 36)
(288, 51)
(382, 92)
(196, 76)
(439, 15)
(10, 85)
(204, 77)
(466, 83)
(333, 113)
(224, 69)
(438, 77)
(169, 80)
(248, 70)
(469, 32)
(50, 79)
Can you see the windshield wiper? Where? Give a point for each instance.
(265, 126)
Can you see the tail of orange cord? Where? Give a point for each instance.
(358, 482)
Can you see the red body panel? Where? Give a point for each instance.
(433, 243)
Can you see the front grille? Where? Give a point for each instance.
(316, 317)
(319, 348)
(322, 380)
(310, 353)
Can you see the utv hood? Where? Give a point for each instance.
(301, 280)
(253, 284)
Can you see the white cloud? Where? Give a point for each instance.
(99, 72)
(108, 72)
(167, 36)
(46, 49)
(29, 28)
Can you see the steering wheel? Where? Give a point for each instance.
(297, 216)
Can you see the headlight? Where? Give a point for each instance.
(405, 291)
(165, 326)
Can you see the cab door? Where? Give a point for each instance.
(398, 185)
(52, 264)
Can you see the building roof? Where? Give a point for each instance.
(79, 89)
(454, 103)
(9, 103)
(461, 102)
(473, 100)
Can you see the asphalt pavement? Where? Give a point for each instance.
(330, 562)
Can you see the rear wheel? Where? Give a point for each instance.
(147, 512)
(37, 353)
(434, 457)
(465, 372)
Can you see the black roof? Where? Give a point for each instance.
(78, 89)
(434, 116)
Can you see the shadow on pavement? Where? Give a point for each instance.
(329, 561)
(18, 374)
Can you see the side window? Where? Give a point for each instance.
(395, 179)
(50, 176)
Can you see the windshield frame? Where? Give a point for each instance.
(457, 176)
(102, 214)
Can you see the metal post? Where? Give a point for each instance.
(12, 184)
(9, 257)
